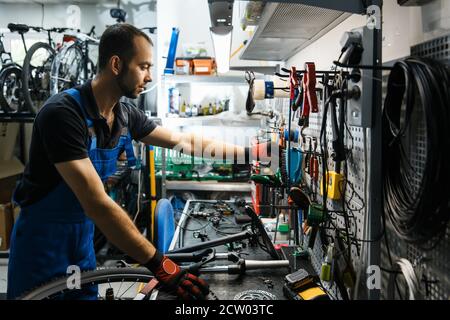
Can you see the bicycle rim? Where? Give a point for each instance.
(36, 75)
(67, 69)
(11, 89)
(125, 283)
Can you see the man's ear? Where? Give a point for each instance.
(116, 65)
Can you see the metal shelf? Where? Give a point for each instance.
(221, 119)
(208, 186)
(17, 117)
(205, 80)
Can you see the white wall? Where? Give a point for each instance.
(56, 15)
(403, 27)
(141, 13)
(193, 19)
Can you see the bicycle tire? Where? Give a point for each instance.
(59, 81)
(6, 72)
(98, 276)
(27, 75)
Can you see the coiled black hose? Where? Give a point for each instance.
(418, 212)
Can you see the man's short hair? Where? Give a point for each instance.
(118, 40)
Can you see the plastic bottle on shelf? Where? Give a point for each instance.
(174, 100)
(183, 109)
(210, 111)
(226, 106)
(188, 111)
(194, 111)
(200, 110)
(173, 94)
(220, 108)
(205, 110)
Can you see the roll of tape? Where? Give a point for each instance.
(270, 89)
(279, 83)
(269, 92)
(259, 90)
(293, 135)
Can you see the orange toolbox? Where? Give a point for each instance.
(183, 66)
(204, 66)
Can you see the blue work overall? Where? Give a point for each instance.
(54, 233)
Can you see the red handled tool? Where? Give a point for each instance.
(310, 103)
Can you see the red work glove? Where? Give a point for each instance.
(185, 285)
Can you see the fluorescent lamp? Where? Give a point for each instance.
(222, 49)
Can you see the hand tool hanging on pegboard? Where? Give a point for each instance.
(308, 157)
(294, 93)
(310, 103)
(250, 103)
(339, 152)
(314, 170)
(302, 201)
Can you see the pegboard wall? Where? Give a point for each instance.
(433, 264)
(357, 162)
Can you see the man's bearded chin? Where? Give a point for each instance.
(125, 88)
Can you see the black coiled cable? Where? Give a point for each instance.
(418, 212)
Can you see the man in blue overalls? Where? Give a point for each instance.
(77, 138)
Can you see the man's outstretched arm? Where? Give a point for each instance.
(196, 145)
(118, 228)
(115, 223)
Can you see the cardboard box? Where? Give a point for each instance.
(10, 172)
(6, 225)
(7, 186)
(11, 167)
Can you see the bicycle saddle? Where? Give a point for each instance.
(20, 28)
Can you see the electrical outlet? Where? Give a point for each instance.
(359, 108)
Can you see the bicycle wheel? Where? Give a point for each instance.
(67, 69)
(92, 69)
(11, 96)
(124, 283)
(36, 75)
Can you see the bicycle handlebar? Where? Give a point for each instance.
(85, 37)
(150, 29)
(23, 28)
(91, 32)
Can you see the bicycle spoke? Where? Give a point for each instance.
(128, 289)
(121, 283)
(60, 79)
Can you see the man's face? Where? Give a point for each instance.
(136, 74)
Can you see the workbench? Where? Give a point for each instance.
(227, 286)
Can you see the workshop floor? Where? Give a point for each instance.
(3, 278)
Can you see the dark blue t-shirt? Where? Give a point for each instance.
(60, 134)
